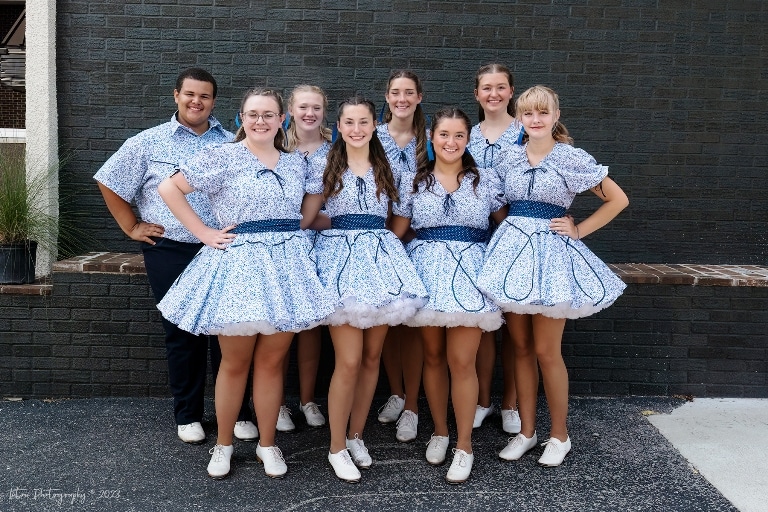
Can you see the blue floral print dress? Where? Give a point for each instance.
(528, 268)
(488, 154)
(402, 160)
(320, 155)
(449, 249)
(264, 281)
(363, 265)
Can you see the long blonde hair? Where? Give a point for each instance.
(292, 137)
(541, 97)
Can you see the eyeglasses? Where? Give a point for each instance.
(254, 116)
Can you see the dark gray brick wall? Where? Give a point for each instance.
(655, 340)
(664, 340)
(671, 95)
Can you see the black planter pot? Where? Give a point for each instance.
(17, 263)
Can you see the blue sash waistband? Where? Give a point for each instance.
(357, 221)
(455, 233)
(263, 226)
(535, 209)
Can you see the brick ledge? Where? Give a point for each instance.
(692, 274)
(630, 273)
(108, 262)
(41, 286)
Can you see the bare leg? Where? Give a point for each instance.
(548, 335)
(392, 359)
(348, 347)
(413, 364)
(308, 361)
(268, 360)
(436, 376)
(462, 344)
(486, 360)
(367, 378)
(236, 356)
(526, 370)
(286, 363)
(509, 399)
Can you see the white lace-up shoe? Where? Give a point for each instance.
(554, 452)
(460, 468)
(359, 453)
(192, 433)
(390, 411)
(407, 426)
(510, 421)
(272, 458)
(343, 466)
(518, 446)
(221, 455)
(436, 450)
(246, 431)
(284, 421)
(312, 414)
(481, 413)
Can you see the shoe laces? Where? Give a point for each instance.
(274, 452)
(518, 439)
(391, 403)
(434, 442)
(346, 458)
(310, 408)
(358, 445)
(217, 452)
(433, 439)
(552, 445)
(461, 459)
(284, 411)
(407, 421)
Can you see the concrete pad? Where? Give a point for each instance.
(726, 440)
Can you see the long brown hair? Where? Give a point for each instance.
(270, 93)
(424, 173)
(292, 137)
(419, 119)
(337, 163)
(541, 97)
(495, 67)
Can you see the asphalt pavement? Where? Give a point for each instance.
(122, 454)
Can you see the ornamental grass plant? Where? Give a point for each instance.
(23, 218)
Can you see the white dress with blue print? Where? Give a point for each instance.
(486, 153)
(449, 268)
(528, 268)
(366, 271)
(320, 155)
(402, 160)
(262, 282)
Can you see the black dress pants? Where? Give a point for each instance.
(187, 353)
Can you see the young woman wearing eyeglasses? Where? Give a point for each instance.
(254, 284)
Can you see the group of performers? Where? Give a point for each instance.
(435, 230)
